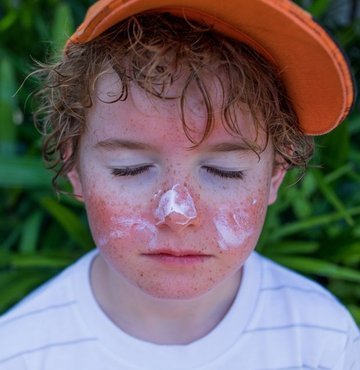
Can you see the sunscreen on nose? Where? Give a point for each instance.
(177, 202)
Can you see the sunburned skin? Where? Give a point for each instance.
(193, 236)
(123, 226)
(124, 232)
(176, 203)
(233, 228)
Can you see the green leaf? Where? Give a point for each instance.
(14, 285)
(35, 260)
(319, 7)
(24, 172)
(331, 196)
(8, 82)
(336, 148)
(63, 26)
(355, 312)
(8, 20)
(311, 222)
(7, 130)
(308, 185)
(39, 261)
(301, 206)
(354, 125)
(349, 253)
(10, 240)
(339, 173)
(290, 247)
(8, 108)
(319, 268)
(69, 221)
(31, 232)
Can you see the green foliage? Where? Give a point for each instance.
(314, 227)
(39, 235)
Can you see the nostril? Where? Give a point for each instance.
(176, 207)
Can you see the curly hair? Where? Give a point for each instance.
(152, 51)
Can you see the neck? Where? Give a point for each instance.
(161, 321)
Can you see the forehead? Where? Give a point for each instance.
(179, 106)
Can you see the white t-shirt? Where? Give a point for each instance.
(278, 321)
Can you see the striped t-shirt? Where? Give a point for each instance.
(278, 321)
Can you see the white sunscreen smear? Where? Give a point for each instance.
(177, 201)
(231, 228)
(123, 225)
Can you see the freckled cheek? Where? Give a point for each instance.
(238, 228)
(119, 224)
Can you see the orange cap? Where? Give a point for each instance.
(313, 67)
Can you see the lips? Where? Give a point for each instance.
(177, 253)
(175, 257)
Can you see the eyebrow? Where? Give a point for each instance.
(115, 144)
(229, 147)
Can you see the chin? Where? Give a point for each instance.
(172, 289)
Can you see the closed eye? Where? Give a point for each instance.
(130, 171)
(225, 173)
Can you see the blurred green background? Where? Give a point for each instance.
(313, 228)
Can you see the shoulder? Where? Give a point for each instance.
(298, 294)
(301, 314)
(42, 318)
(279, 278)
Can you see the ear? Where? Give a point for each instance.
(75, 180)
(277, 178)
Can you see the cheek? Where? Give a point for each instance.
(123, 223)
(240, 227)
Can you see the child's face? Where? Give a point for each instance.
(173, 222)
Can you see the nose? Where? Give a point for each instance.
(176, 209)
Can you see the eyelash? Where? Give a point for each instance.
(225, 174)
(128, 171)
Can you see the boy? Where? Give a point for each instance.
(175, 122)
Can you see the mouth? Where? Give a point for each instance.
(174, 257)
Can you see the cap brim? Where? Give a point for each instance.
(313, 67)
